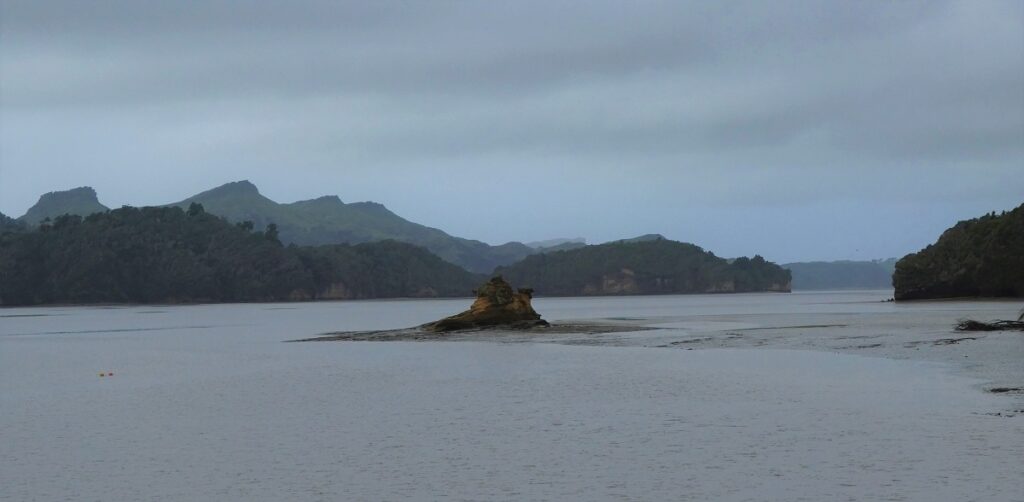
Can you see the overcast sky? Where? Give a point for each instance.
(797, 130)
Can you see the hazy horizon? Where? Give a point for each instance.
(795, 130)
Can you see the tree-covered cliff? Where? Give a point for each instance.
(169, 255)
(982, 257)
(657, 266)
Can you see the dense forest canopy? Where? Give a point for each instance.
(982, 257)
(143, 255)
(647, 266)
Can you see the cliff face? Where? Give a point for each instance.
(983, 257)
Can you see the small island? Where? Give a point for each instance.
(497, 311)
(496, 305)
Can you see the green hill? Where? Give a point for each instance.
(874, 274)
(982, 257)
(81, 201)
(644, 266)
(165, 255)
(328, 220)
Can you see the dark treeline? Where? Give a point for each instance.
(158, 255)
(658, 266)
(979, 257)
(8, 224)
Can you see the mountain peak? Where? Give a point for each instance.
(81, 201)
(243, 187)
(84, 193)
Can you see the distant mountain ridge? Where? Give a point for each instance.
(553, 243)
(843, 274)
(328, 220)
(323, 220)
(79, 201)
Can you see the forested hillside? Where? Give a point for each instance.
(328, 220)
(645, 266)
(981, 257)
(170, 255)
(8, 224)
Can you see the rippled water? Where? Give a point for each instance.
(206, 403)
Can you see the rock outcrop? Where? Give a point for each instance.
(496, 305)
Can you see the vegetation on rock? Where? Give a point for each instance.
(982, 257)
(158, 255)
(647, 266)
(496, 305)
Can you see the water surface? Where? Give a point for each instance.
(206, 403)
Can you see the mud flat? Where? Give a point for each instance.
(862, 325)
(496, 334)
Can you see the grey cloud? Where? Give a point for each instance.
(755, 104)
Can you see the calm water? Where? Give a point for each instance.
(206, 403)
